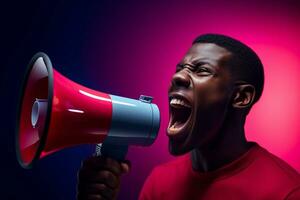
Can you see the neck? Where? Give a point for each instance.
(227, 148)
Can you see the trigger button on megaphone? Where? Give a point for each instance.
(146, 99)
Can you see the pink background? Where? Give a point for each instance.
(144, 43)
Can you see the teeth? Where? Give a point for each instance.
(175, 101)
(173, 127)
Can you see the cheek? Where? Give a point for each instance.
(211, 102)
(208, 121)
(210, 92)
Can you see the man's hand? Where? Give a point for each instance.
(99, 178)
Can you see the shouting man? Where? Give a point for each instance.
(215, 86)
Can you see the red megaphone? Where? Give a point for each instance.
(55, 113)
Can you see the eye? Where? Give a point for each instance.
(203, 71)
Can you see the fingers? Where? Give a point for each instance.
(102, 176)
(102, 163)
(125, 166)
(99, 178)
(91, 197)
(95, 191)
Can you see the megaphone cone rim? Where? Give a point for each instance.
(43, 138)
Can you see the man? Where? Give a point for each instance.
(214, 87)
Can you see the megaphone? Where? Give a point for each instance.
(55, 113)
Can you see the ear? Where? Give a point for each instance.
(243, 96)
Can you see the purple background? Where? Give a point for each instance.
(131, 48)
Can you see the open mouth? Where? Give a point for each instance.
(180, 113)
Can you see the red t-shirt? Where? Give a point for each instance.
(257, 174)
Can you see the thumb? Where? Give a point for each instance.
(125, 166)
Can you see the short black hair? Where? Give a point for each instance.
(247, 64)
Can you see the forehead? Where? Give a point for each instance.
(207, 52)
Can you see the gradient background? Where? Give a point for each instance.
(130, 49)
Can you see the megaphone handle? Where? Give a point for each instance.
(117, 152)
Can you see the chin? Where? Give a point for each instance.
(177, 148)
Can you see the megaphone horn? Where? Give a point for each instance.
(55, 113)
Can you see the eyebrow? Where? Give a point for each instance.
(195, 63)
(202, 61)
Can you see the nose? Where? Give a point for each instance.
(181, 79)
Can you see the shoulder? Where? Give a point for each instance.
(175, 164)
(276, 173)
(277, 166)
(174, 170)
(163, 177)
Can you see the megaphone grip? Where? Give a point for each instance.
(117, 152)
